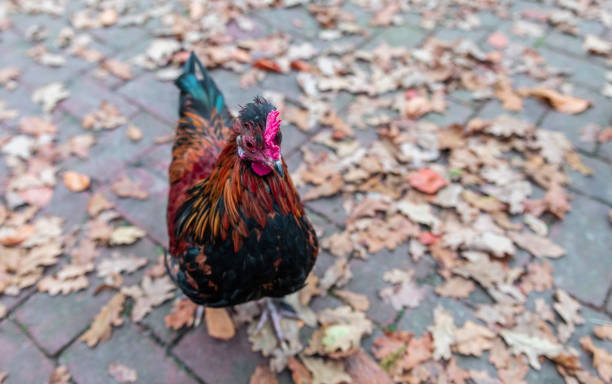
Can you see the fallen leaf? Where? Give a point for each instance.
(563, 103)
(97, 204)
(118, 264)
(299, 373)
(134, 133)
(60, 375)
(536, 245)
(574, 161)
(3, 311)
(263, 375)
(457, 287)
(122, 373)
(358, 301)
(126, 235)
(326, 371)
(567, 308)
(531, 346)
(443, 333)
(109, 316)
(124, 187)
(70, 278)
(427, 180)
(108, 17)
(267, 65)
(219, 324)
(363, 370)
(404, 293)
(151, 293)
(76, 182)
(50, 95)
(182, 314)
(602, 331)
(36, 126)
(602, 360)
(498, 40)
(597, 45)
(118, 68)
(472, 339)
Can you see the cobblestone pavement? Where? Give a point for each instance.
(42, 331)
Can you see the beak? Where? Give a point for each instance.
(278, 165)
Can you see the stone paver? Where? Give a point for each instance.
(585, 235)
(20, 358)
(128, 346)
(42, 331)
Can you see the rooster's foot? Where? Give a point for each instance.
(274, 312)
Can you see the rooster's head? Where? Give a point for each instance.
(259, 137)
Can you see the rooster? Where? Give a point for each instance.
(237, 228)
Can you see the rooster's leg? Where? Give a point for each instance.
(273, 314)
(198, 316)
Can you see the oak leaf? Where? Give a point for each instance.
(109, 316)
(219, 324)
(122, 373)
(182, 315)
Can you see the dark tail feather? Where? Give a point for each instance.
(204, 93)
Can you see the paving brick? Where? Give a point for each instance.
(403, 36)
(127, 346)
(218, 361)
(54, 321)
(583, 71)
(121, 38)
(149, 214)
(598, 184)
(456, 113)
(295, 21)
(23, 362)
(21, 100)
(86, 96)
(64, 201)
(368, 278)
(158, 98)
(585, 235)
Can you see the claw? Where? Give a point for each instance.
(271, 313)
(198, 316)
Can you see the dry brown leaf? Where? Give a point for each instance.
(267, 65)
(122, 373)
(118, 264)
(597, 45)
(574, 161)
(602, 360)
(134, 133)
(538, 278)
(107, 117)
(567, 308)
(97, 204)
(219, 324)
(443, 332)
(70, 278)
(108, 17)
(536, 245)
(126, 235)
(76, 182)
(151, 293)
(60, 375)
(404, 293)
(125, 187)
(358, 301)
(457, 287)
(602, 331)
(50, 95)
(109, 316)
(385, 16)
(427, 180)
(531, 346)
(263, 375)
(326, 371)
(472, 339)
(299, 373)
(36, 126)
(562, 103)
(3, 311)
(364, 370)
(328, 188)
(418, 351)
(118, 68)
(182, 315)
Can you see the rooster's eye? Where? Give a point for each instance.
(249, 144)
